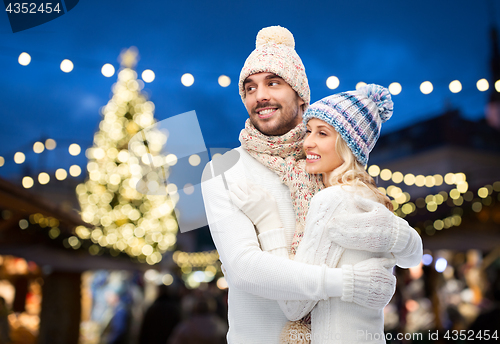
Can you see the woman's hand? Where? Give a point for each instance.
(257, 204)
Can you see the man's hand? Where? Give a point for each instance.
(369, 283)
(257, 204)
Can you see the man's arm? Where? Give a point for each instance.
(249, 268)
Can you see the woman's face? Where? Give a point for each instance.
(319, 146)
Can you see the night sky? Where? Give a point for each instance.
(371, 41)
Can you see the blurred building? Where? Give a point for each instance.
(42, 262)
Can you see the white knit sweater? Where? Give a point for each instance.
(257, 279)
(334, 217)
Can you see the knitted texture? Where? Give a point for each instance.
(284, 155)
(356, 115)
(297, 332)
(275, 53)
(375, 229)
(368, 284)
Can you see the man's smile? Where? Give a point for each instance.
(266, 112)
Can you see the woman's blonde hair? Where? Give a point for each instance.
(351, 172)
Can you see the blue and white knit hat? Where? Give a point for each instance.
(356, 115)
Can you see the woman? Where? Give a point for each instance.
(341, 131)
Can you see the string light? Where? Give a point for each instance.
(108, 70)
(74, 149)
(148, 75)
(61, 174)
(224, 81)
(38, 147)
(27, 182)
(24, 59)
(50, 144)
(19, 158)
(332, 82)
(43, 178)
(455, 86)
(360, 84)
(187, 79)
(194, 160)
(395, 88)
(66, 66)
(426, 87)
(75, 170)
(482, 85)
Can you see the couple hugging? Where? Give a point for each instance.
(308, 253)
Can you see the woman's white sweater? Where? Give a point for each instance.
(335, 218)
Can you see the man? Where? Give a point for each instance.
(274, 88)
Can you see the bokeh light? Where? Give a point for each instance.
(188, 189)
(38, 147)
(332, 82)
(373, 170)
(395, 88)
(19, 158)
(67, 66)
(224, 80)
(455, 86)
(75, 170)
(61, 174)
(426, 87)
(482, 85)
(171, 159)
(187, 79)
(50, 144)
(27, 182)
(148, 75)
(108, 70)
(427, 259)
(360, 84)
(194, 160)
(43, 178)
(74, 149)
(441, 264)
(24, 59)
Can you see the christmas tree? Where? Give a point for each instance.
(141, 224)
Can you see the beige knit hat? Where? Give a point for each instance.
(275, 53)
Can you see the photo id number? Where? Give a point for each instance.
(26, 7)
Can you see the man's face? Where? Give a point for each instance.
(273, 105)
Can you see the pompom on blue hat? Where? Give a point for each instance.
(356, 115)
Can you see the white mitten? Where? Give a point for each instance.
(375, 229)
(369, 283)
(257, 204)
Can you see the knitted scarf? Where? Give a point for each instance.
(285, 156)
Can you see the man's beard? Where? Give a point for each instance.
(282, 124)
